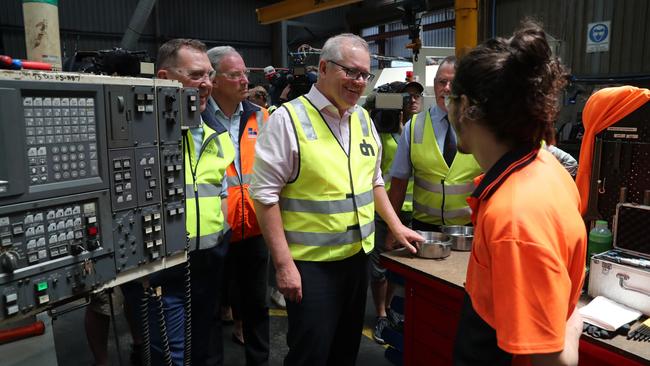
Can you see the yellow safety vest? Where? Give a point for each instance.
(328, 210)
(389, 148)
(203, 187)
(439, 191)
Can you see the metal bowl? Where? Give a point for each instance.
(461, 236)
(435, 246)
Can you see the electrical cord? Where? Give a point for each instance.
(146, 334)
(164, 339)
(187, 354)
(187, 358)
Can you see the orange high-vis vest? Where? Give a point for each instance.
(241, 212)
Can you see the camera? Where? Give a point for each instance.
(117, 61)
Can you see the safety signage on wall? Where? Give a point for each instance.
(598, 35)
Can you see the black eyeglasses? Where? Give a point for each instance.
(354, 73)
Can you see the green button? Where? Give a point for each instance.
(41, 286)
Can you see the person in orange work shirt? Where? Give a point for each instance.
(526, 268)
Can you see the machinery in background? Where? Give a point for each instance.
(91, 184)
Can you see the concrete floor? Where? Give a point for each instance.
(72, 348)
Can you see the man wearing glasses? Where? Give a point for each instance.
(317, 183)
(207, 151)
(427, 149)
(248, 256)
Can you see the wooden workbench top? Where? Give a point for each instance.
(452, 271)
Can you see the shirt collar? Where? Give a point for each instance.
(323, 104)
(437, 114)
(218, 112)
(509, 163)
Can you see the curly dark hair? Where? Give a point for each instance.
(169, 50)
(515, 84)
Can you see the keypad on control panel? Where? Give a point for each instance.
(61, 136)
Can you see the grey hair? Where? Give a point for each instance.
(216, 54)
(447, 60)
(331, 50)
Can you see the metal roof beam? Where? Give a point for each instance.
(289, 9)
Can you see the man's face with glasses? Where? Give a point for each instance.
(193, 69)
(343, 81)
(442, 83)
(231, 82)
(414, 102)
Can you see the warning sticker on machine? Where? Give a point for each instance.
(625, 136)
(622, 129)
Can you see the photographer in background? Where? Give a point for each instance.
(390, 106)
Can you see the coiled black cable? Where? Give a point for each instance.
(146, 334)
(164, 339)
(187, 357)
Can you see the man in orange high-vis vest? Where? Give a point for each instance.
(247, 258)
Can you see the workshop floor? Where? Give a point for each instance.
(72, 347)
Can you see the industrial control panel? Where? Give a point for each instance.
(91, 182)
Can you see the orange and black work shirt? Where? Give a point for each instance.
(241, 211)
(526, 267)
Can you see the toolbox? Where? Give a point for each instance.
(623, 273)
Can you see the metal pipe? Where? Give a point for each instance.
(139, 19)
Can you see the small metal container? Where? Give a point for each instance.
(435, 246)
(461, 236)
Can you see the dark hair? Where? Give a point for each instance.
(514, 84)
(167, 52)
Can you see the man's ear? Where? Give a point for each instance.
(162, 74)
(322, 66)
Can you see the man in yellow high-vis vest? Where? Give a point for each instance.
(316, 185)
(207, 151)
(427, 151)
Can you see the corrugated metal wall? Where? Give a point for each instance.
(567, 20)
(100, 24)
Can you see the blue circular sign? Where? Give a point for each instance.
(598, 33)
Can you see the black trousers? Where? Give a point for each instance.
(325, 327)
(247, 265)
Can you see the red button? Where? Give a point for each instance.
(92, 230)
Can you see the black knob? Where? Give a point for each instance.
(9, 261)
(76, 249)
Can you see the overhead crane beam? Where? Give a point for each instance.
(289, 9)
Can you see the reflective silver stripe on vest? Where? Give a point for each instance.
(259, 116)
(330, 239)
(449, 214)
(325, 207)
(364, 122)
(301, 112)
(408, 197)
(418, 129)
(208, 241)
(234, 180)
(449, 189)
(205, 190)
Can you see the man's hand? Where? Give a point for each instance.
(289, 282)
(403, 236)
